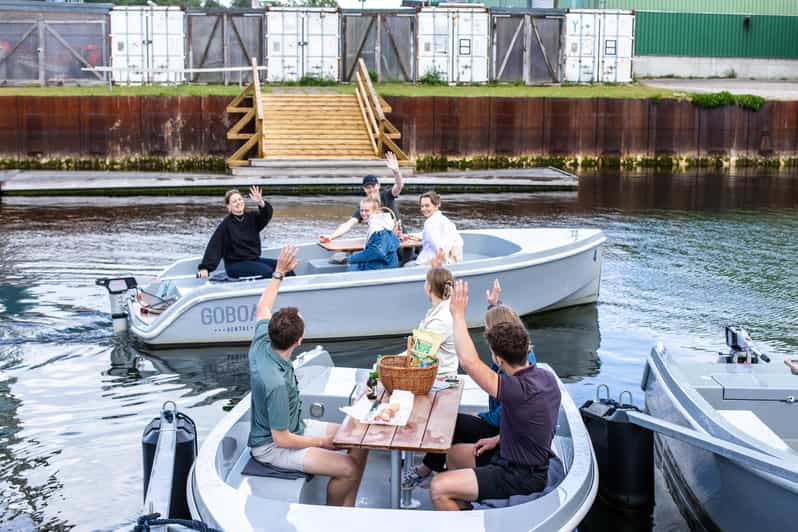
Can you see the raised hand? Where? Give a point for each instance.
(287, 260)
(256, 195)
(493, 294)
(324, 239)
(391, 162)
(459, 300)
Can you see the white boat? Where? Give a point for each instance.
(729, 444)
(540, 269)
(220, 496)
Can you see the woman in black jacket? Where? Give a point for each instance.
(237, 239)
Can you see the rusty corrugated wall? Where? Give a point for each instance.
(121, 126)
(114, 126)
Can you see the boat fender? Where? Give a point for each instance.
(624, 451)
(145, 523)
(185, 451)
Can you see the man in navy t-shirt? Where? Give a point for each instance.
(530, 398)
(371, 187)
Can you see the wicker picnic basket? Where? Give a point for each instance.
(396, 373)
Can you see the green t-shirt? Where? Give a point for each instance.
(275, 391)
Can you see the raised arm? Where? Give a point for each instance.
(393, 166)
(485, 378)
(265, 210)
(286, 262)
(341, 230)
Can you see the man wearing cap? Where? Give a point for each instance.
(371, 187)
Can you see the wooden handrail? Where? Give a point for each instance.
(256, 82)
(364, 72)
(253, 112)
(380, 130)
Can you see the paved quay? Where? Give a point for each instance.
(770, 89)
(78, 183)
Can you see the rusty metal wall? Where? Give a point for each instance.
(224, 38)
(114, 126)
(395, 47)
(601, 126)
(197, 125)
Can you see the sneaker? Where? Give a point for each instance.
(412, 479)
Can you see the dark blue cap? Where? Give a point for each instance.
(370, 180)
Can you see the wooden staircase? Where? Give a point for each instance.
(314, 126)
(306, 127)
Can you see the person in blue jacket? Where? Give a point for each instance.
(381, 242)
(471, 428)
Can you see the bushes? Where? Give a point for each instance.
(432, 77)
(719, 99)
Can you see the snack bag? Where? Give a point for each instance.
(424, 351)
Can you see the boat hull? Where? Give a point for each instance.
(388, 302)
(714, 492)
(220, 498)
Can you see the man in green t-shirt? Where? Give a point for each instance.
(278, 436)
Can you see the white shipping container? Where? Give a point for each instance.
(598, 46)
(302, 42)
(453, 41)
(147, 38)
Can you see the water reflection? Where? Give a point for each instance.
(685, 256)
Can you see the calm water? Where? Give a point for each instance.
(685, 257)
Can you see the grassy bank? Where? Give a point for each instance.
(384, 89)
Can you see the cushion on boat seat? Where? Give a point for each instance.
(556, 475)
(257, 469)
(222, 277)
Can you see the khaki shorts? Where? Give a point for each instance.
(293, 459)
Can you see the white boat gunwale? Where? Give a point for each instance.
(150, 330)
(582, 470)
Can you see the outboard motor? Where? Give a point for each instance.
(117, 294)
(168, 448)
(624, 451)
(742, 350)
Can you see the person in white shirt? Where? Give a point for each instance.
(439, 232)
(438, 288)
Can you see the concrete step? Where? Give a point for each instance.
(272, 162)
(351, 171)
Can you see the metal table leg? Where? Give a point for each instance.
(396, 477)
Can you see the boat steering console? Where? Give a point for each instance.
(742, 350)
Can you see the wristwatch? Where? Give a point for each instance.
(278, 275)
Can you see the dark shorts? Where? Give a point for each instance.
(501, 479)
(467, 429)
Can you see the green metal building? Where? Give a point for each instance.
(716, 35)
(746, 7)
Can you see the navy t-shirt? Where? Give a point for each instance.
(530, 406)
(387, 199)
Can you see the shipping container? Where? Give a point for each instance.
(714, 35)
(598, 46)
(511, 4)
(746, 7)
(453, 41)
(385, 39)
(147, 45)
(302, 42)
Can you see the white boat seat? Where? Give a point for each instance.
(750, 424)
(556, 475)
(257, 469)
(222, 277)
(317, 266)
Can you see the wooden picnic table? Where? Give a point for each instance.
(356, 244)
(429, 429)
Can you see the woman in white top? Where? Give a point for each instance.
(439, 318)
(439, 232)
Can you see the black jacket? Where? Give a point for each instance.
(237, 238)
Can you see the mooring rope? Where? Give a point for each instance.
(150, 520)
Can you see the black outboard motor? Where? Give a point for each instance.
(624, 452)
(168, 447)
(117, 294)
(741, 348)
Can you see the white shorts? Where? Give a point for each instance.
(293, 459)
